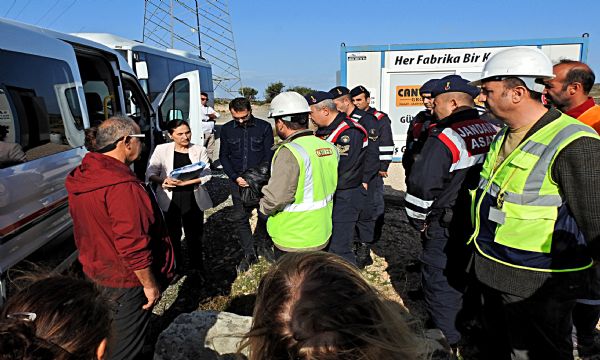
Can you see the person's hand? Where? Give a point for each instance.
(383, 174)
(366, 186)
(241, 182)
(170, 183)
(153, 295)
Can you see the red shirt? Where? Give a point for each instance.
(114, 224)
(578, 110)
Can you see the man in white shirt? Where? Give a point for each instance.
(208, 124)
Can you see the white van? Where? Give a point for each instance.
(155, 68)
(52, 87)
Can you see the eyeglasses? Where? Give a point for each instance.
(203, 99)
(137, 135)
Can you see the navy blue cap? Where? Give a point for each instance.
(454, 83)
(339, 91)
(428, 86)
(359, 90)
(316, 97)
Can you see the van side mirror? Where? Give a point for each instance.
(141, 70)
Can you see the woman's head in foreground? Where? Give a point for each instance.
(55, 317)
(317, 306)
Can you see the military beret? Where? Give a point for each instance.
(454, 83)
(428, 86)
(359, 90)
(316, 97)
(339, 91)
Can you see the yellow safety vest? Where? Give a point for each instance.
(306, 223)
(519, 214)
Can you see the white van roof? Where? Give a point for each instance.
(118, 42)
(21, 37)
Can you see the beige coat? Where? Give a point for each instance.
(161, 164)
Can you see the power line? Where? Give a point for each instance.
(47, 12)
(24, 7)
(10, 8)
(62, 13)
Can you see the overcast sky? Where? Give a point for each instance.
(298, 42)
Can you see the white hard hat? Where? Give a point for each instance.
(288, 103)
(526, 63)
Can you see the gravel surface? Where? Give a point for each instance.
(221, 289)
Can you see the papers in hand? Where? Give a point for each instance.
(188, 172)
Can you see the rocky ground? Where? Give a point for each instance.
(220, 288)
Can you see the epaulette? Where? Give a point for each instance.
(379, 115)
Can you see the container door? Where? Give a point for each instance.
(181, 101)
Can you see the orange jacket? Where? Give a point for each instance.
(591, 117)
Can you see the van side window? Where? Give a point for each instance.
(99, 86)
(175, 105)
(39, 107)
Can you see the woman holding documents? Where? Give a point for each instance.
(180, 168)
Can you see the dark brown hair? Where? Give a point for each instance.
(240, 104)
(174, 124)
(317, 306)
(579, 72)
(71, 320)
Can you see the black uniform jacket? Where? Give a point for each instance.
(383, 129)
(351, 140)
(449, 165)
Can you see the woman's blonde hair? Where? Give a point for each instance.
(317, 306)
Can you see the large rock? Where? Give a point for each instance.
(202, 335)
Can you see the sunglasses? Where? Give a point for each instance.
(113, 146)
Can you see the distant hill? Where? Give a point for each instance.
(595, 93)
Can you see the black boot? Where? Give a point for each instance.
(363, 255)
(247, 261)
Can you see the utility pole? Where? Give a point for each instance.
(199, 26)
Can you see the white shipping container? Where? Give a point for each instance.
(394, 73)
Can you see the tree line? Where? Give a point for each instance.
(272, 90)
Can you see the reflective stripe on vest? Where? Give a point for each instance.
(307, 203)
(306, 223)
(461, 157)
(522, 189)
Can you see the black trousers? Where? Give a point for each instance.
(130, 322)
(370, 220)
(538, 327)
(443, 282)
(241, 215)
(349, 213)
(193, 223)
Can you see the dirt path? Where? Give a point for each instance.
(219, 289)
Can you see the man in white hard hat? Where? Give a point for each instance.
(299, 196)
(536, 212)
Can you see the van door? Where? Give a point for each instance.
(181, 101)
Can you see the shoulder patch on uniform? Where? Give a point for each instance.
(343, 149)
(324, 152)
(345, 139)
(373, 135)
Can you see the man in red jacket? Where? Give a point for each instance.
(121, 241)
